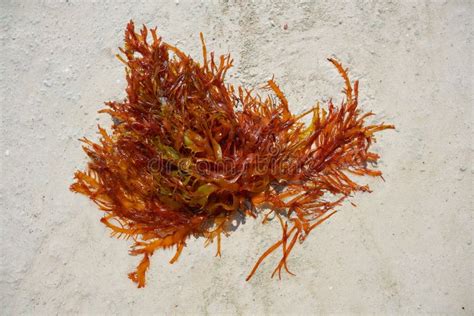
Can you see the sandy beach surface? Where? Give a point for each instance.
(405, 249)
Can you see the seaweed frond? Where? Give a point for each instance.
(188, 153)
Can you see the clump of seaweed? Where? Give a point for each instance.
(188, 153)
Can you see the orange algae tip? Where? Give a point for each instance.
(188, 154)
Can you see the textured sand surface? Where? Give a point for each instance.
(406, 248)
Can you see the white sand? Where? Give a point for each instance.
(406, 248)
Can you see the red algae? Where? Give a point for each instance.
(188, 153)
